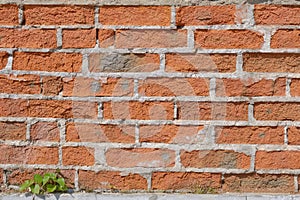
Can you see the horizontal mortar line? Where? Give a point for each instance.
(278, 171)
(134, 27)
(240, 27)
(269, 147)
(282, 50)
(23, 143)
(81, 26)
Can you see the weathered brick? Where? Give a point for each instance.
(9, 14)
(51, 85)
(58, 15)
(215, 159)
(294, 135)
(79, 38)
(295, 87)
(44, 131)
(138, 110)
(286, 39)
(222, 63)
(3, 59)
(205, 15)
(135, 15)
(106, 37)
(277, 14)
(27, 38)
(187, 181)
(174, 87)
(83, 132)
(28, 155)
(84, 87)
(110, 180)
(82, 156)
(255, 183)
(12, 131)
(151, 38)
(140, 157)
(213, 111)
(250, 87)
(271, 62)
(51, 62)
(228, 39)
(113, 62)
(277, 160)
(249, 135)
(280, 111)
(172, 134)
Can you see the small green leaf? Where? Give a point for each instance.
(26, 185)
(38, 179)
(61, 182)
(52, 176)
(36, 189)
(45, 180)
(51, 188)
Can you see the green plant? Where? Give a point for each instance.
(49, 183)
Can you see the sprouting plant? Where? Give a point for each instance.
(49, 183)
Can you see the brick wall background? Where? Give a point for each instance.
(151, 95)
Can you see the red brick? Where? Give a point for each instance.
(294, 135)
(277, 14)
(19, 176)
(135, 15)
(295, 87)
(215, 159)
(44, 131)
(28, 155)
(205, 15)
(222, 63)
(82, 156)
(51, 85)
(82, 132)
(58, 15)
(20, 84)
(271, 62)
(258, 183)
(12, 131)
(286, 39)
(51, 62)
(28, 38)
(250, 87)
(213, 111)
(111, 180)
(249, 135)
(85, 87)
(140, 157)
(174, 87)
(228, 39)
(106, 37)
(277, 160)
(9, 14)
(79, 38)
(187, 181)
(151, 38)
(172, 134)
(112, 62)
(3, 59)
(138, 110)
(280, 111)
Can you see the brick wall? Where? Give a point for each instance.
(151, 97)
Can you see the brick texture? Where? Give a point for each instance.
(9, 14)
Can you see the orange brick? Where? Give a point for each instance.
(205, 15)
(140, 157)
(294, 135)
(228, 39)
(9, 14)
(3, 59)
(58, 15)
(52, 85)
(295, 87)
(151, 38)
(280, 111)
(84, 87)
(12, 131)
(277, 14)
(106, 37)
(277, 160)
(28, 155)
(138, 110)
(250, 87)
(44, 131)
(174, 87)
(135, 15)
(249, 135)
(187, 181)
(271, 62)
(79, 38)
(108, 180)
(215, 159)
(213, 111)
(82, 156)
(82, 132)
(51, 62)
(286, 39)
(258, 183)
(28, 38)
